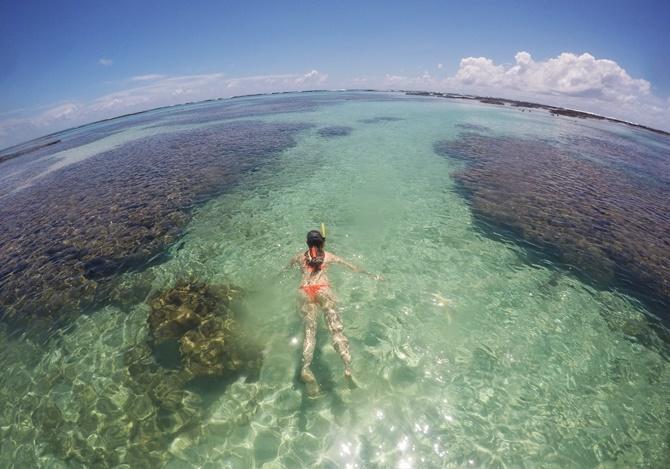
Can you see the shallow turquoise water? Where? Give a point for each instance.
(466, 353)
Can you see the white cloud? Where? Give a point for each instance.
(313, 76)
(106, 62)
(568, 74)
(440, 66)
(425, 81)
(60, 112)
(478, 71)
(147, 92)
(148, 77)
(568, 80)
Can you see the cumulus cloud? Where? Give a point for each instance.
(568, 74)
(578, 81)
(147, 92)
(105, 61)
(313, 76)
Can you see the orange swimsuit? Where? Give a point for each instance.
(312, 289)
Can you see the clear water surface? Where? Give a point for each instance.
(465, 354)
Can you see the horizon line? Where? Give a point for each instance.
(436, 94)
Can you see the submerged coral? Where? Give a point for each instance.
(469, 127)
(67, 236)
(200, 320)
(335, 131)
(131, 409)
(602, 206)
(379, 120)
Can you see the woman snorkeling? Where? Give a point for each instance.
(315, 292)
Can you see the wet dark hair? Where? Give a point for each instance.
(315, 255)
(315, 239)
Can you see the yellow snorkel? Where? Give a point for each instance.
(323, 231)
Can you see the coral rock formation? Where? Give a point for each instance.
(199, 318)
(335, 131)
(601, 204)
(66, 237)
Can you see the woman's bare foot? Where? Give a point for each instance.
(310, 382)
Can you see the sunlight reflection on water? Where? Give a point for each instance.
(470, 352)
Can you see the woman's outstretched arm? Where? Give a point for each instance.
(352, 267)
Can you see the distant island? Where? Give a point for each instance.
(16, 154)
(553, 110)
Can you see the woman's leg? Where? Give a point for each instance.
(336, 328)
(309, 310)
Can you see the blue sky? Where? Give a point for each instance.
(66, 63)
